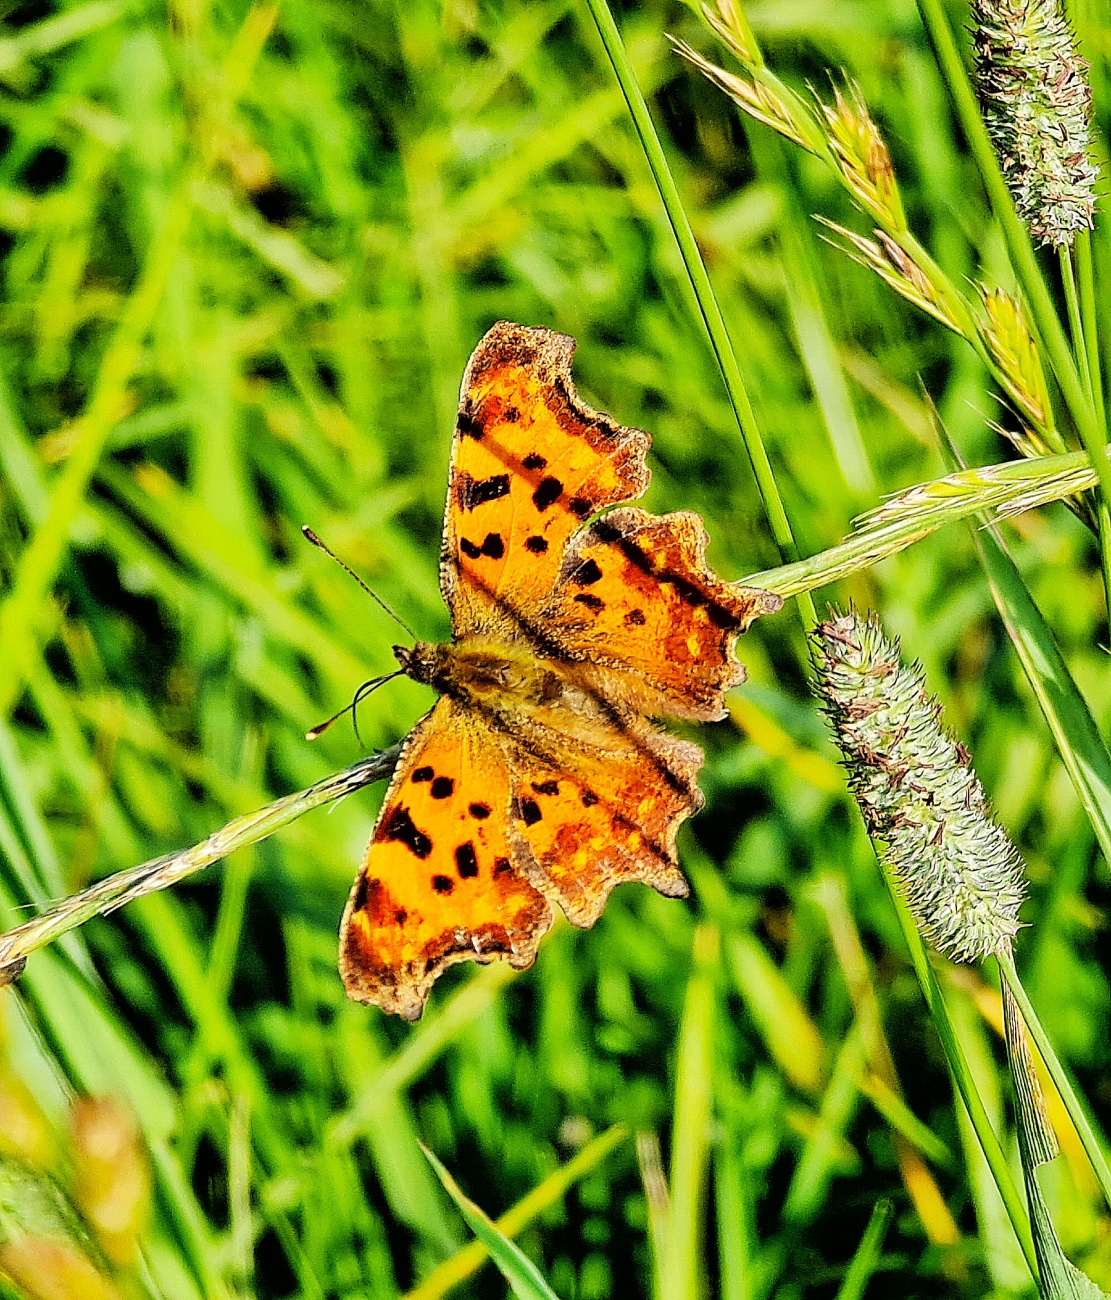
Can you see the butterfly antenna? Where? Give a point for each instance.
(312, 537)
(366, 689)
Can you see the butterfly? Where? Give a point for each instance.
(539, 777)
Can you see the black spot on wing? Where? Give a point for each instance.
(493, 546)
(589, 798)
(501, 866)
(422, 774)
(469, 549)
(537, 545)
(529, 811)
(442, 788)
(479, 811)
(474, 492)
(587, 573)
(401, 916)
(468, 422)
(361, 893)
(591, 602)
(546, 787)
(443, 884)
(399, 829)
(548, 491)
(635, 618)
(535, 461)
(579, 506)
(465, 861)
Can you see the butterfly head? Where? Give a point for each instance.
(423, 662)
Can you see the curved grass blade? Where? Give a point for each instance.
(866, 1260)
(470, 1258)
(1060, 1279)
(1094, 1144)
(524, 1278)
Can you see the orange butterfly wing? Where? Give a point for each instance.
(600, 817)
(438, 884)
(529, 463)
(636, 602)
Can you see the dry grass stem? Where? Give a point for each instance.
(126, 886)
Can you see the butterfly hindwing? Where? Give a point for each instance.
(594, 819)
(530, 462)
(438, 884)
(636, 599)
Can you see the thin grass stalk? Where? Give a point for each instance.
(962, 1077)
(1076, 326)
(1089, 316)
(1078, 1112)
(1014, 232)
(703, 292)
(125, 886)
(1009, 488)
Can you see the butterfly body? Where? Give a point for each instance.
(481, 671)
(540, 777)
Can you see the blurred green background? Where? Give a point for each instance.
(247, 253)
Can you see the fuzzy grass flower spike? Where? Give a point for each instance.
(960, 875)
(1037, 105)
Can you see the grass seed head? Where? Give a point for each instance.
(896, 267)
(1036, 102)
(760, 99)
(1008, 338)
(864, 159)
(729, 21)
(959, 873)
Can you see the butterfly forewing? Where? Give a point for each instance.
(530, 462)
(438, 884)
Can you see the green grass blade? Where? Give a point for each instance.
(966, 1084)
(1094, 1143)
(703, 290)
(817, 1165)
(867, 1256)
(1060, 1279)
(681, 1256)
(471, 1257)
(1070, 720)
(734, 1224)
(525, 1279)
